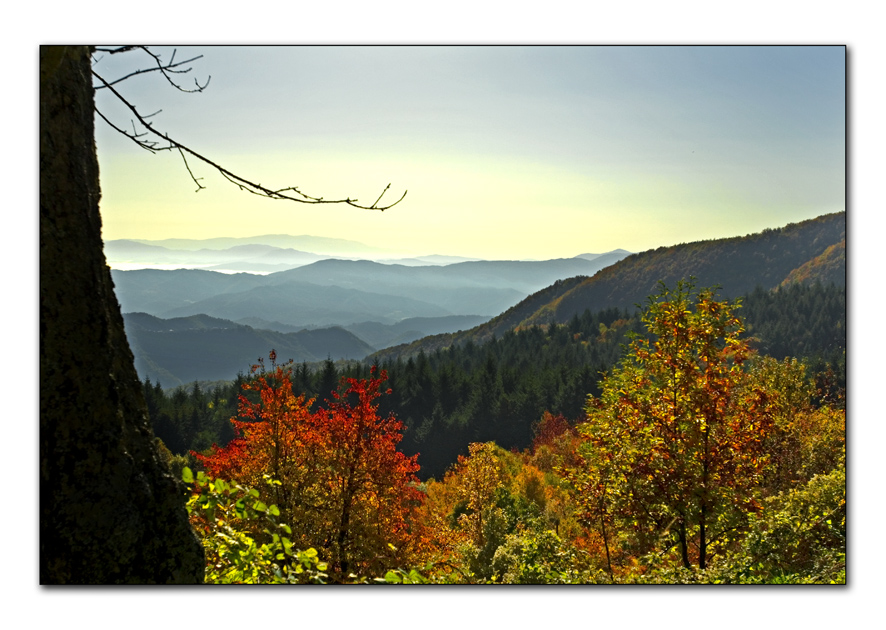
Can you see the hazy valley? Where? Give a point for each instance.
(367, 305)
(191, 324)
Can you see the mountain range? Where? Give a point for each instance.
(810, 251)
(344, 292)
(179, 320)
(314, 244)
(189, 324)
(184, 349)
(257, 255)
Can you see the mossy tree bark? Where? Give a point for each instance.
(110, 512)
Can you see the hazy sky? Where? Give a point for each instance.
(507, 152)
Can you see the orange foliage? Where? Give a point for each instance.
(549, 428)
(344, 487)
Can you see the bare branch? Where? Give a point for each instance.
(240, 182)
(114, 51)
(381, 195)
(164, 68)
(132, 136)
(161, 69)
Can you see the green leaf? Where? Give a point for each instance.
(187, 475)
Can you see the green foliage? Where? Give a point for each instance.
(192, 418)
(542, 557)
(402, 576)
(176, 463)
(227, 516)
(800, 320)
(800, 536)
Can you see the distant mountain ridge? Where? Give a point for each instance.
(520, 275)
(307, 304)
(196, 324)
(314, 244)
(264, 258)
(180, 350)
(738, 265)
(344, 292)
(616, 252)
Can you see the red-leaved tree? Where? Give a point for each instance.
(337, 476)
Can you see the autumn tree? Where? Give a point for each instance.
(344, 488)
(480, 475)
(674, 446)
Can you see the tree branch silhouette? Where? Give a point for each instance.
(166, 143)
(164, 68)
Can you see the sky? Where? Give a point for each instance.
(507, 152)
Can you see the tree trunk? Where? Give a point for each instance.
(703, 512)
(684, 545)
(110, 512)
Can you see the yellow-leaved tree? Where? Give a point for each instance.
(673, 449)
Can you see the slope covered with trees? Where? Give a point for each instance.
(499, 390)
(829, 267)
(738, 265)
(186, 349)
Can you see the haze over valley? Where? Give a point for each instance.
(252, 287)
(196, 322)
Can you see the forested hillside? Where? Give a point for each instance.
(738, 265)
(499, 390)
(186, 349)
(830, 266)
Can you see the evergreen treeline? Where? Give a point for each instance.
(193, 417)
(499, 390)
(797, 321)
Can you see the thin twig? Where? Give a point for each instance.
(114, 51)
(164, 68)
(196, 181)
(161, 68)
(133, 137)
